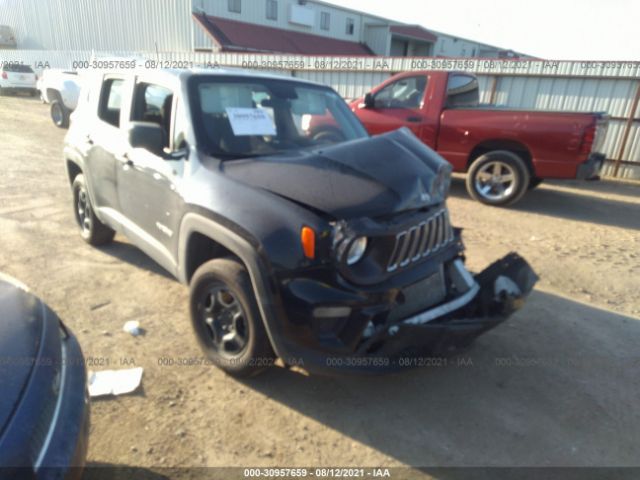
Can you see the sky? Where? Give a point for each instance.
(550, 29)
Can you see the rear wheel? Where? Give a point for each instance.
(59, 114)
(498, 178)
(92, 230)
(226, 319)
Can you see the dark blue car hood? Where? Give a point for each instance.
(22, 317)
(371, 177)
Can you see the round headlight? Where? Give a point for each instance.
(356, 250)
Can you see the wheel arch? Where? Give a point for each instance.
(512, 146)
(73, 170)
(196, 230)
(53, 94)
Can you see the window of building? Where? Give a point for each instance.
(272, 10)
(235, 6)
(351, 26)
(325, 20)
(111, 101)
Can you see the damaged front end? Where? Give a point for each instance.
(478, 304)
(408, 296)
(387, 282)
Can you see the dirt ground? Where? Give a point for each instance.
(557, 385)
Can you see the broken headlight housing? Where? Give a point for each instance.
(349, 247)
(442, 183)
(356, 250)
(350, 250)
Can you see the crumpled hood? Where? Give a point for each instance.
(369, 177)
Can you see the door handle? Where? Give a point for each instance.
(414, 119)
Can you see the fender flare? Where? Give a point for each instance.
(242, 248)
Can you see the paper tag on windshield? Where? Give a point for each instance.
(250, 121)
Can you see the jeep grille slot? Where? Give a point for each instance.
(421, 240)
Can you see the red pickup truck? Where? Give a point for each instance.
(505, 152)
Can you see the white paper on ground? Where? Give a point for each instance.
(132, 327)
(250, 121)
(114, 382)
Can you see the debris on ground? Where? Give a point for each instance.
(133, 327)
(114, 382)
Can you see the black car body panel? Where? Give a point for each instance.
(369, 177)
(45, 424)
(190, 204)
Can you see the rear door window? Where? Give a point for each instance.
(462, 91)
(111, 101)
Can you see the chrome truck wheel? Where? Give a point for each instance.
(498, 178)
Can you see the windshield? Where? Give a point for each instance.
(237, 117)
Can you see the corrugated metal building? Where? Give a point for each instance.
(99, 24)
(168, 25)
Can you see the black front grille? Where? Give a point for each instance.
(421, 240)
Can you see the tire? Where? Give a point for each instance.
(535, 182)
(59, 114)
(92, 230)
(222, 305)
(498, 178)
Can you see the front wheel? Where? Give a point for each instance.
(226, 319)
(498, 178)
(92, 230)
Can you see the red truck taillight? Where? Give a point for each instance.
(587, 139)
(4, 75)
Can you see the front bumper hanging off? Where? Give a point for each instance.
(475, 304)
(492, 296)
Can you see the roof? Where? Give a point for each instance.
(414, 31)
(234, 36)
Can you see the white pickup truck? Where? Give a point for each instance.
(61, 89)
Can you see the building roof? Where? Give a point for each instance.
(234, 36)
(414, 31)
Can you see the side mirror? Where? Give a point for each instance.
(147, 135)
(369, 101)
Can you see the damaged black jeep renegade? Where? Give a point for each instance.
(300, 236)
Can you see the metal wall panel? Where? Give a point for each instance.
(86, 25)
(377, 37)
